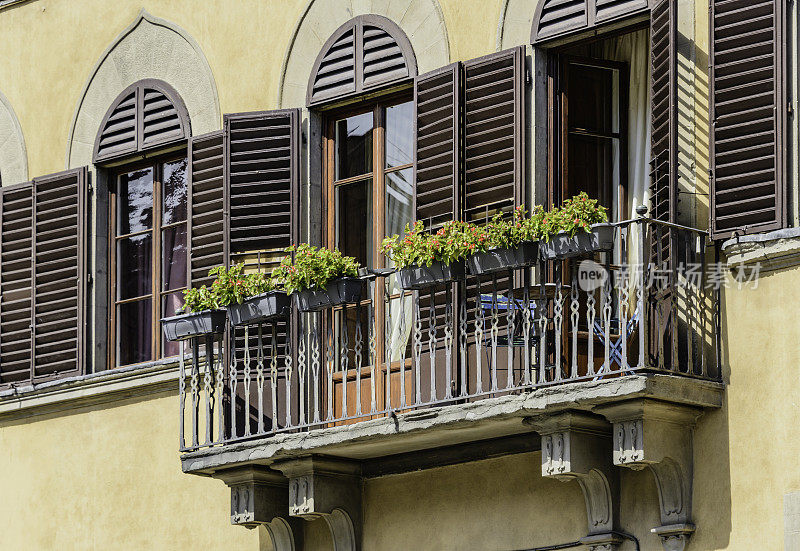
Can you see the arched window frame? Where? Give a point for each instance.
(587, 19)
(356, 25)
(140, 146)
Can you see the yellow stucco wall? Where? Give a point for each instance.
(108, 477)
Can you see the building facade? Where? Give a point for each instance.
(143, 143)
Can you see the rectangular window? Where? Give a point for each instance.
(148, 258)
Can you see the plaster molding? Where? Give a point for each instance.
(516, 21)
(422, 21)
(63, 395)
(771, 250)
(149, 47)
(13, 154)
(658, 436)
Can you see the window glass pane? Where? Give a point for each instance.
(399, 210)
(134, 268)
(590, 100)
(134, 332)
(399, 134)
(353, 146)
(135, 201)
(354, 220)
(173, 257)
(169, 304)
(174, 192)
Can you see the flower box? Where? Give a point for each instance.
(499, 260)
(419, 277)
(186, 326)
(561, 245)
(338, 291)
(260, 308)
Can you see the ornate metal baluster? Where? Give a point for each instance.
(181, 394)
(373, 355)
(417, 350)
(448, 342)
(526, 329)
(462, 338)
(246, 413)
(574, 317)
(590, 316)
(316, 343)
(692, 302)
(558, 321)
(432, 342)
(273, 368)
(301, 375)
(195, 386)
(345, 359)
(402, 344)
(329, 365)
(542, 338)
(220, 382)
(389, 349)
(289, 372)
(624, 298)
(208, 387)
(260, 377)
(358, 359)
(607, 296)
(494, 332)
(478, 337)
(510, 315)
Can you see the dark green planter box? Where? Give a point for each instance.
(420, 277)
(266, 307)
(338, 291)
(601, 238)
(186, 326)
(501, 260)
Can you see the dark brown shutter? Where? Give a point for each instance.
(59, 258)
(664, 133)
(749, 116)
(336, 74)
(160, 120)
(494, 126)
(207, 234)
(118, 134)
(263, 174)
(437, 167)
(559, 18)
(16, 277)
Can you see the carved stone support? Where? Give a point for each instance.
(260, 496)
(658, 435)
(330, 489)
(576, 446)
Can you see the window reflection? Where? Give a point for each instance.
(135, 199)
(174, 194)
(354, 220)
(354, 146)
(399, 134)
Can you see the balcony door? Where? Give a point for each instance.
(368, 196)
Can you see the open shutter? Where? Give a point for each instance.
(437, 100)
(494, 127)
(748, 112)
(59, 271)
(16, 277)
(207, 235)
(664, 135)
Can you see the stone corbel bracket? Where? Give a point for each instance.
(658, 435)
(260, 497)
(327, 488)
(577, 446)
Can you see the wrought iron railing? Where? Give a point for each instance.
(656, 310)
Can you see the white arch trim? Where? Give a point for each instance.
(13, 154)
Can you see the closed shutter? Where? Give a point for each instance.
(494, 127)
(118, 134)
(336, 74)
(664, 153)
(16, 278)
(160, 120)
(59, 257)
(207, 234)
(748, 111)
(437, 167)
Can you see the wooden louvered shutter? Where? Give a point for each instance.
(437, 166)
(160, 121)
(664, 132)
(336, 72)
(262, 175)
(207, 232)
(749, 116)
(16, 277)
(118, 134)
(59, 272)
(494, 126)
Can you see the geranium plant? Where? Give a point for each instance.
(576, 214)
(508, 234)
(230, 285)
(417, 247)
(310, 267)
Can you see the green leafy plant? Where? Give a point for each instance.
(576, 214)
(448, 244)
(310, 267)
(230, 285)
(507, 234)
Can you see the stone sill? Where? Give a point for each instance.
(87, 390)
(452, 424)
(772, 250)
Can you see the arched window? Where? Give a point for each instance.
(366, 53)
(558, 18)
(147, 115)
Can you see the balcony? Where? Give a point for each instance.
(465, 370)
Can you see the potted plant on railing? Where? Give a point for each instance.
(200, 315)
(505, 244)
(318, 278)
(426, 259)
(580, 226)
(249, 298)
